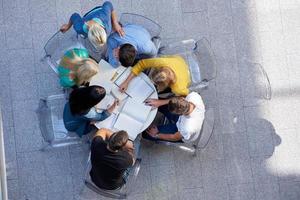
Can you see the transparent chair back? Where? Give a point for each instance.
(199, 57)
(120, 193)
(57, 45)
(256, 87)
(130, 18)
(206, 130)
(50, 115)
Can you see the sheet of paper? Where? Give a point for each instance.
(136, 110)
(108, 122)
(105, 102)
(128, 124)
(139, 89)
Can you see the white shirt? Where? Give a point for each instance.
(190, 125)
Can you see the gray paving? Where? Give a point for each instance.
(255, 149)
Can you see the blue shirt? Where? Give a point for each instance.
(80, 123)
(135, 35)
(102, 12)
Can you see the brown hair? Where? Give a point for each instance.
(127, 55)
(117, 140)
(178, 105)
(162, 77)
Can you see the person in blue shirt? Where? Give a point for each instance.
(135, 44)
(96, 25)
(80, 112)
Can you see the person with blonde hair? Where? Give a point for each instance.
(97, 24)
(76, 68)
(168, 72)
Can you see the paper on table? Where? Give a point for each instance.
(108, 122)
(132, 117)
(138, 88)
(105, 102)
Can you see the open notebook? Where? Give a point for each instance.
(132, 117)
(138, 88)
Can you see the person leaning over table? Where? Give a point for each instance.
(185, 116)
(80, 112)
(169, 72)
(112, 155)
(135, 44)
(97, 24)
(76, 68)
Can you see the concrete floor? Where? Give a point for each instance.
(255, 149)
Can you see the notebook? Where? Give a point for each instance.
(132, 117)
(138, 88)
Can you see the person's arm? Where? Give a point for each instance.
(169, 136)
(77, 23)
(141, 66)
(123, 87)
(154, 132)
(93, 115)
(157, 102)
(104, 133)
(111, 46)
(65, 27)
(115, 24)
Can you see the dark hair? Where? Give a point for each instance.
(83, 99)
(127, 55)
(178, 105)
(117, 140)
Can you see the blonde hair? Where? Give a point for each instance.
(83, 68)
(87, 68)
(162, 77)
(97, 35)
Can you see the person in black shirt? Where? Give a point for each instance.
(111, 155)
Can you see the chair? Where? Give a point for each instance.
(199, 57)
(51, 123)
(152, 27)
(203, 138)
(120, 193)
(57, 45)
(255, 83)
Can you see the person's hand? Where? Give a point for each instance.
(116, 52)
(118, 28)
(153, 102)
(123, 87)
(129, 146)
(64, 28)
(152, 131)
(113, 106)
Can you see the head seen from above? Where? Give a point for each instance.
(179, 106)
(127, 54)
(97, 35)
(162, 77)
(117, 140)
(83, 99)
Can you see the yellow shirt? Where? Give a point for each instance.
(178, 66)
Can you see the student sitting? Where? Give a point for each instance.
(76, 68)
(80, 113)
(111, 156)
(135, 44)
(97, 24)
(185, 115)
(169, 72)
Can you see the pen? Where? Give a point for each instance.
(114, 76)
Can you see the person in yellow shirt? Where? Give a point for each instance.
(169, 72)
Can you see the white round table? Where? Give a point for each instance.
(104, 79)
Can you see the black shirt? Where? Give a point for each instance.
(108, 167)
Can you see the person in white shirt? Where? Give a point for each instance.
(190, 114)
